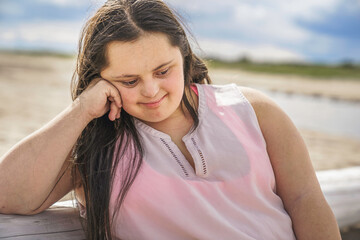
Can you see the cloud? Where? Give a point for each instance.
(67, 3)
(309, 10)
(228, 50)
(261, 22)
(272, 20)
(280, 24)
(42, 34)
(263, 29)
(305, 9)
(10, 8)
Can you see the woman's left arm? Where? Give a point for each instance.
(296, 181)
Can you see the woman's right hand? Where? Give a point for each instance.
(99, 98)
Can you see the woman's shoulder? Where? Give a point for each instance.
(269, 115)
(254, 96)
(261, 103)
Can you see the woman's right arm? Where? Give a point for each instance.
(35, 172)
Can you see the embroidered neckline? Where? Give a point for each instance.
(203, 162)
(175, 157)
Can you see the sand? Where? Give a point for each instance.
(34, 89)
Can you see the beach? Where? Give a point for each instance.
(34, 89)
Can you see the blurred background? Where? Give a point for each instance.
(304, 54)
(323, 31)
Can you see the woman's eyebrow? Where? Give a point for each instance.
(164, 64)
(134, 75)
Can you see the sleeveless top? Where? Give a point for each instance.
(230, 194)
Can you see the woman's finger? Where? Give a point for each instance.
(117, 116)
(113, 111)
(114, 96)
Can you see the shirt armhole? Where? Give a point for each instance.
(194, 88)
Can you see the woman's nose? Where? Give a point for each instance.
(150, 88)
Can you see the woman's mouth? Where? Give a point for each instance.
(154, 104)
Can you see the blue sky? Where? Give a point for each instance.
(264, 30)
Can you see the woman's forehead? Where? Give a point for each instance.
(147, 52)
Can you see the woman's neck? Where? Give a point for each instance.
(180, 123)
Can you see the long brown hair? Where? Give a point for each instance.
(102, 145)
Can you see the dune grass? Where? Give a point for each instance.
(37, 53)
(345, 70)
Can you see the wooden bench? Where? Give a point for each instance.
(341, 188)
(61, 221)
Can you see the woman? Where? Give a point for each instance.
(153, 152)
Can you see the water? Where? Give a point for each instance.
(321, 114)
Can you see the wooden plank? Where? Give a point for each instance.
(58, 222)
(341, 188)
(76, 235)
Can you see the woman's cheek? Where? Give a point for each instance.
(127, 101)
(175, 81)
(127, 98)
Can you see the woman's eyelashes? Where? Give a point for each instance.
(163, 73)
(130, 83)
(160, 74)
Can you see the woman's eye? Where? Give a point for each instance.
(130, 83)
(164, 72)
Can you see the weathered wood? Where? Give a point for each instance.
(341, 188)
(61, 221)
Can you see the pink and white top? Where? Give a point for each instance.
(230, 194)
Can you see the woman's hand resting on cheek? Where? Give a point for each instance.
(99, 98)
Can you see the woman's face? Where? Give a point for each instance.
(149, 76)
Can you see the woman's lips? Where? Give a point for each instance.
(154, 104)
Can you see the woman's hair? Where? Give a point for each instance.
(101, 147)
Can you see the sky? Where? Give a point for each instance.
(321, 31)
